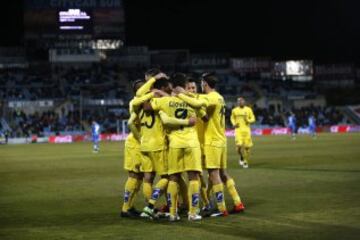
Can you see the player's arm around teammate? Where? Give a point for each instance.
(150, 120)
(151, 76)
(184, 151)
(216, 147)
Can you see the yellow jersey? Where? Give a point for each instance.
(131, 141)
(200, 127)
(179, 136)
(214, 128)
(243, 117)
(153, 136)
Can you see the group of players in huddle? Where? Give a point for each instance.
(175, 130)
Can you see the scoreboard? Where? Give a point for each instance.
(296, 70)
(74, 19)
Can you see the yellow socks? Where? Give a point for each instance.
(193, 196)
(130, 187)
(183, 191)
(246, 155)
(230, 184)
(203, 192)
(219, 194)
(247, 150)
(158, 189)
(147, 190)
(137, 188)
(172, 192)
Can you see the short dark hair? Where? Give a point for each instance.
(179, 80)
(210, 79)
(153, 71)
(136, 83)
(160, 83)
(192, 78)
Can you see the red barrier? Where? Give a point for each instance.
(340, 129)
(78, 138)
(112, 137)
(266, 131)
(60, 139)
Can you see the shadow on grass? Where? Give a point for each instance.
(257, 227)
(312, 169)
(246, 225)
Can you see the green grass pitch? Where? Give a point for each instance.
(303, 189)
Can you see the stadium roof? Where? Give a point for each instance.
(306, 29)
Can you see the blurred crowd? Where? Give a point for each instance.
(51, 123)
(99, 81)
(106, 81)
(325, 116)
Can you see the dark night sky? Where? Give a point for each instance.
(324, 30)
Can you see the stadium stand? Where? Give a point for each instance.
(55, 98)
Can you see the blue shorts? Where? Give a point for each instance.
(292, 129)
(96, 139)
(312, 128)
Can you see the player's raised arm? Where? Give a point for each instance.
(132, 127)
(149, 84)
(140, 100)
(173, 122)
(193, 102)
(189, 98)
(146, 87)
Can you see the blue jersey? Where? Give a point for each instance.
(292, 121)
(311, 121)
(95, 131)
(312, 124)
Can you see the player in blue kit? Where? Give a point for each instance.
(95, 133)
(312, 125)
(292, 125)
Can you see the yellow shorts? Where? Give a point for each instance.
(184, 159)
(132, 161)
(215, 157)
(154, 162)
(243, 139)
